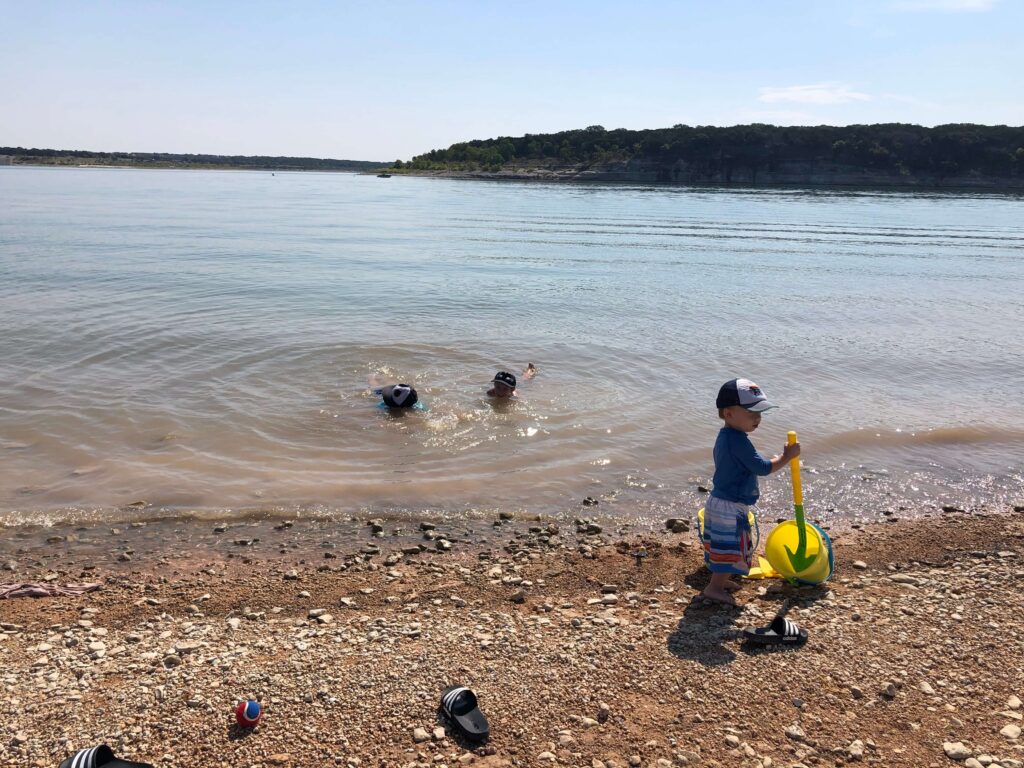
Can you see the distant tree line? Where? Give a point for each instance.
(897, 149)
(22, 155)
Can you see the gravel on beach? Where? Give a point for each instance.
(585, 648)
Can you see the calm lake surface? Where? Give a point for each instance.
(205, 342)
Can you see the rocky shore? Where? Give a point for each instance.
(587, 646)
(793, 174)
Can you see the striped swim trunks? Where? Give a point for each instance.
(728, 540)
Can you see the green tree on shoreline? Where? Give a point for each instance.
(896, 149)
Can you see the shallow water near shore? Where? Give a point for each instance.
(205, 342)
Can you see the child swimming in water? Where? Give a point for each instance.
(505, 382)
(399, 396)
(504, 385)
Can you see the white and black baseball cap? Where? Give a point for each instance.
(399, 396)
(506, 378)
(744, 393)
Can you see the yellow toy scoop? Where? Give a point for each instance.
(763, 570)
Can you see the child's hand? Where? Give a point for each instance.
(790, 452)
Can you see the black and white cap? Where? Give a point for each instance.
(399, 396)
(744, 393)
(506, 378)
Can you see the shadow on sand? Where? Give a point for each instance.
(237, 732)
(706, 626)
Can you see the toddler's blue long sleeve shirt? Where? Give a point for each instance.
(737, 466)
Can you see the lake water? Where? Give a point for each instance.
(205, 342)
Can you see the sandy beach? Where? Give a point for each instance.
(581, 652)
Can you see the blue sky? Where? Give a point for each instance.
(379, 80)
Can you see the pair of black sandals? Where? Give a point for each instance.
(458, 703)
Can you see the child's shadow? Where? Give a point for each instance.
(704, 627)
(799, 595)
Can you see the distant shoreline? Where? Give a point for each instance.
(181, 167)
(611, 176)
(881, 155)
(10, 156)
(573, 176)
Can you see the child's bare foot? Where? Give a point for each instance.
(717, 594)
(732, 586)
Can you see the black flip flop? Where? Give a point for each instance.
(95, 757)
(460, 705)
(781, 631)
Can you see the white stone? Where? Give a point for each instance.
(856, 750)
(955, 750)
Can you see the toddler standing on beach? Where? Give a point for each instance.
(728, 545)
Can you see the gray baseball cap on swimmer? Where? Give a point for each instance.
(744, 393)
(399, 396)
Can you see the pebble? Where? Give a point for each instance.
(855, 750)
(1013, 702)
(795, 732)
(419, 735)
(1011, 732)
(860, 565)
(955, 750)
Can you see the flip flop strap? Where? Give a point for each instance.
(450, 698)
(791, 630)
(84, 758)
